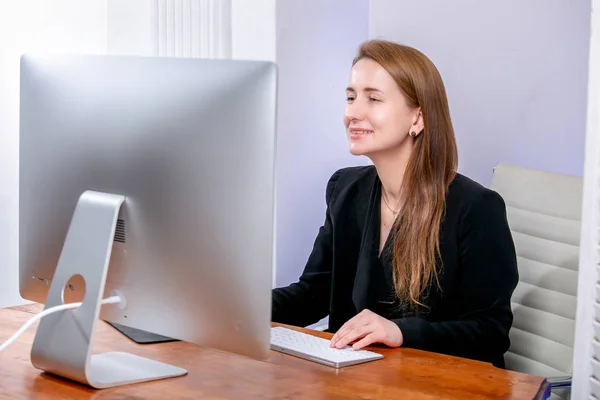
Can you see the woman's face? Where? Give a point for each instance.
(376, 115)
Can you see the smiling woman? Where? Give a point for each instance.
(411, 253)
(391, 107)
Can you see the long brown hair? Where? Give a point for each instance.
(430, 170)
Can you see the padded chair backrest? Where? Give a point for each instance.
(544, 214)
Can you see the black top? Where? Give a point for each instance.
(469, 317)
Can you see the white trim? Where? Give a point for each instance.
(193, 28)
(589, 257)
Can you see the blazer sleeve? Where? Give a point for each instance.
(307, 301)
(488, 269)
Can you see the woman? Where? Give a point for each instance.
(411, 253)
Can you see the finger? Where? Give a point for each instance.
(365, 341)
(363, 318)
(354, 335)
(348, 327)
(343, 331)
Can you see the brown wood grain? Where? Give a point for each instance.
(402, 374)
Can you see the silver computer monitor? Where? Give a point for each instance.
(189, 146)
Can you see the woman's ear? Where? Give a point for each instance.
(418, 125)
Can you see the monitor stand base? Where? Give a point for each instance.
(63, 341)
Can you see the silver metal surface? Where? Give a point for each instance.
(63, 341)
(190, 145)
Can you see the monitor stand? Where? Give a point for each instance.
(63, 341)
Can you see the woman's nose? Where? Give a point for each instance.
(355, 111)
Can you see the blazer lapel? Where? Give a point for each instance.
(364, 265)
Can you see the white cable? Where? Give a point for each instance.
(51, 310)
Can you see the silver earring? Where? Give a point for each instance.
(413, 134)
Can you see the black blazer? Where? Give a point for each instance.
(469, 317)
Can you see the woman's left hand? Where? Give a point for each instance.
(367, 328)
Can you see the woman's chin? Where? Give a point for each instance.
(357, 150)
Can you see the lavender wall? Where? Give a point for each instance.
(515, 71)
(316, 41)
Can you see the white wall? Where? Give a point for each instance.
(515, 71)
(33, 25)
(316, 41)
(131, 27)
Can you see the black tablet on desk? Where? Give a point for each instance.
(139, 336)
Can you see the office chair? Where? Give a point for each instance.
(544, 215)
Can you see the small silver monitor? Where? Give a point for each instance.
(190, 144)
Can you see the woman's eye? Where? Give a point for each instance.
(349, 98)
(373, 99)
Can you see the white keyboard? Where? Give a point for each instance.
(316, 349)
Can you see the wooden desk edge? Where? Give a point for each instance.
(544, 386)
(540, 395)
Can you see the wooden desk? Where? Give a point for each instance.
(402, 374)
